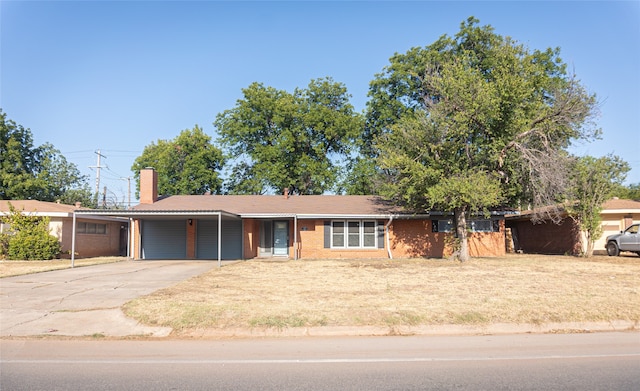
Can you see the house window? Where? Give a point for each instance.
(91, 228)
(353, 234)
(476, 225)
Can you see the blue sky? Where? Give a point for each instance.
(115, 76)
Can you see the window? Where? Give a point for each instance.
(369, 234)
(479, 225)
(91, 228)
(442, 225)
(337, 236)
(353, 234)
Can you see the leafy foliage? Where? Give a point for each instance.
(282, 140)
(594, 182)
(630, 192)
(475, 121)
(30, 172)
(29, 237)
(188, 164)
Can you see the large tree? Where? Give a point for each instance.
(475, 121)
(292, 141)
(630, 192)
(188, 164)
(594, 181)
(36, 172)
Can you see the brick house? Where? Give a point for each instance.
(297, 227)
(565, 238)
(95, 235)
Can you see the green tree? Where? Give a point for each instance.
(293, 141)
(594, 181)
(475, 121)
(34, 172)
(630, 192)
(28, 237)
(188, 164)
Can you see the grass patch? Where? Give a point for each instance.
(18, 268)
(520, 289)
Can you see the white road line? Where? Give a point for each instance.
(313, 360)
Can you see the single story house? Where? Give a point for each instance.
(95, 235)
(310, 226)
(565, 238)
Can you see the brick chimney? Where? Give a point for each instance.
(286, 193)
(148, 185)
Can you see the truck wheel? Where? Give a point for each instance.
(612, 249)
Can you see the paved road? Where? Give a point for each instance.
(597, 361)
(87, 300)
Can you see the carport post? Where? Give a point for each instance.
(219, 239)
(73, 241)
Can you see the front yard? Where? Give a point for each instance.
(522, 289)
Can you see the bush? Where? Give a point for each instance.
(28, 238)
(33, 245)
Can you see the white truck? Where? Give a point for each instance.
(627, 240)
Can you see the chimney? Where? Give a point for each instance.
(148, 185)
(78, 204)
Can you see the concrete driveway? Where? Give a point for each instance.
(86, 300)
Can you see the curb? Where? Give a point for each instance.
(434, 330)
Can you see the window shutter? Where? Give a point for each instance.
(380, 234)
(327, 234)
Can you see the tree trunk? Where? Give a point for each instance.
(460, 216)
(590, 244)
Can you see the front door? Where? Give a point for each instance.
(280, 238)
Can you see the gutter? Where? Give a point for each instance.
(386, 228)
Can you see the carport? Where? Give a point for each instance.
(177, 234)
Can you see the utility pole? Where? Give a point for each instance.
(128, 179)
(98, 167)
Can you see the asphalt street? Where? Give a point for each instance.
(594, 361)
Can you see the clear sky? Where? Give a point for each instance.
(115, 76)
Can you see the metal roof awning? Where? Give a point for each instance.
(142, 213)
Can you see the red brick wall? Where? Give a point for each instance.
(251, 238)
(408, 238)
(92, 245)
(546, 238)
(148, 186)
(191, 238)
(137, 239)
(415, 238)
(311, 244)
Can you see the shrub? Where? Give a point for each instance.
(29, 237)
(33, 245)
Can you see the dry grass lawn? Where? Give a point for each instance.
(17, 268)
(523, 289)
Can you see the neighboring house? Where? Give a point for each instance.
(263, 226)
(564, 238)
(95, 235)
(617, 215)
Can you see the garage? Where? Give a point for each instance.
(164, 239)
(207, 239)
